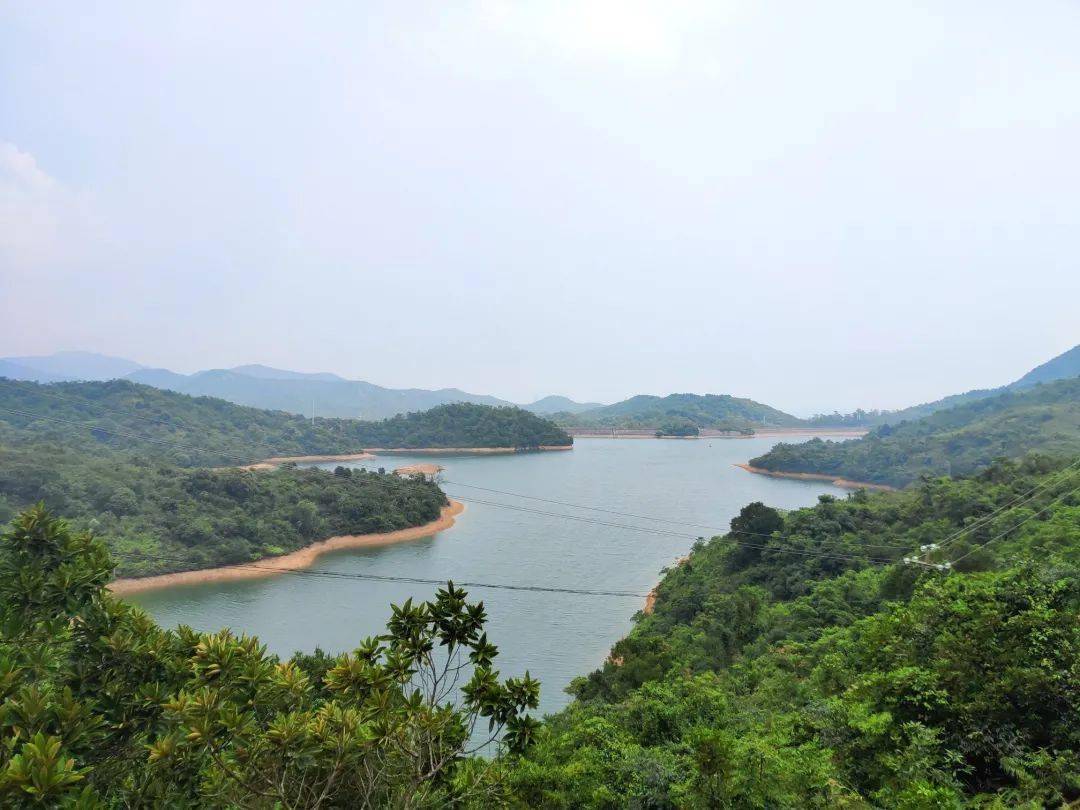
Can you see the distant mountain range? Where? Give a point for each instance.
(332, 395)
(556, 404)
(265, 387)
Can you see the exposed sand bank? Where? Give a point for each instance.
(588, 433)
(650, 599)
(832, 479)
(459, 451)
(302, 558)
(426, 470)
(277, 461)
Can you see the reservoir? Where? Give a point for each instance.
(508, 539)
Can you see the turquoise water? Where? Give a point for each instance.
(556, 636)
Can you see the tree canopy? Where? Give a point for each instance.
(203, 431)
(958, 440)
(99, 707)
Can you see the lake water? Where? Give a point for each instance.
(556, 636)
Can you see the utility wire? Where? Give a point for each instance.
(1032, 516)
(629, 515)
(664, 532)
(315, 572)
(1020, 499)
(581, 506)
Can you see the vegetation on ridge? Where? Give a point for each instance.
(99, 707)
(159, 518)
(202, 431)
(780, 677)
(960, 440)
(717, 411)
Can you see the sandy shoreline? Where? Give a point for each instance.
(832, 479)
(758, 433)
(460, 451)
(277, 461)
(302, 558)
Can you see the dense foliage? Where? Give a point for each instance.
(789, 663)
(160, 518)
(718, 411)
(191, 431)
(293, 392)
(677, 428)
(99, 707)
(465, 425)
(765, 677)
(1063, 367)
(958, 440)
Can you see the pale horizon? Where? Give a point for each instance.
(820, 209)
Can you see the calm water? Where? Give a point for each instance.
(555, 636)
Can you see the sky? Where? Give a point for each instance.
(816, 205)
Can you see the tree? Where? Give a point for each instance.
(98, 705)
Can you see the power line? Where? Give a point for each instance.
(315, 572)
(494, 503)
(1024, 498)
(629, 515)
(581, 506)
(665, 532)
(1032, 516)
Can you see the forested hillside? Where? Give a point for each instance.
(296, 393)
(805, 669)
(201, 431)
(1063, 367)
(718, 411)
(790, 663)
(959, 440)
(129, 461)
(101, 708)
(159, 518)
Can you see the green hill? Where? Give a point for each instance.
(126, 460)
(203, 431)
(703, 411)
(766, 676)
(1063, 367)
(790, 663)
(160, 518)
(958, 440)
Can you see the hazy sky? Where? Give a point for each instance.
(818, 205)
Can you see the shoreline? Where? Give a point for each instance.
(301, 558)
(650, 597)
(461, 451)
(853, 433)
(832, 479)
(276, 461)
